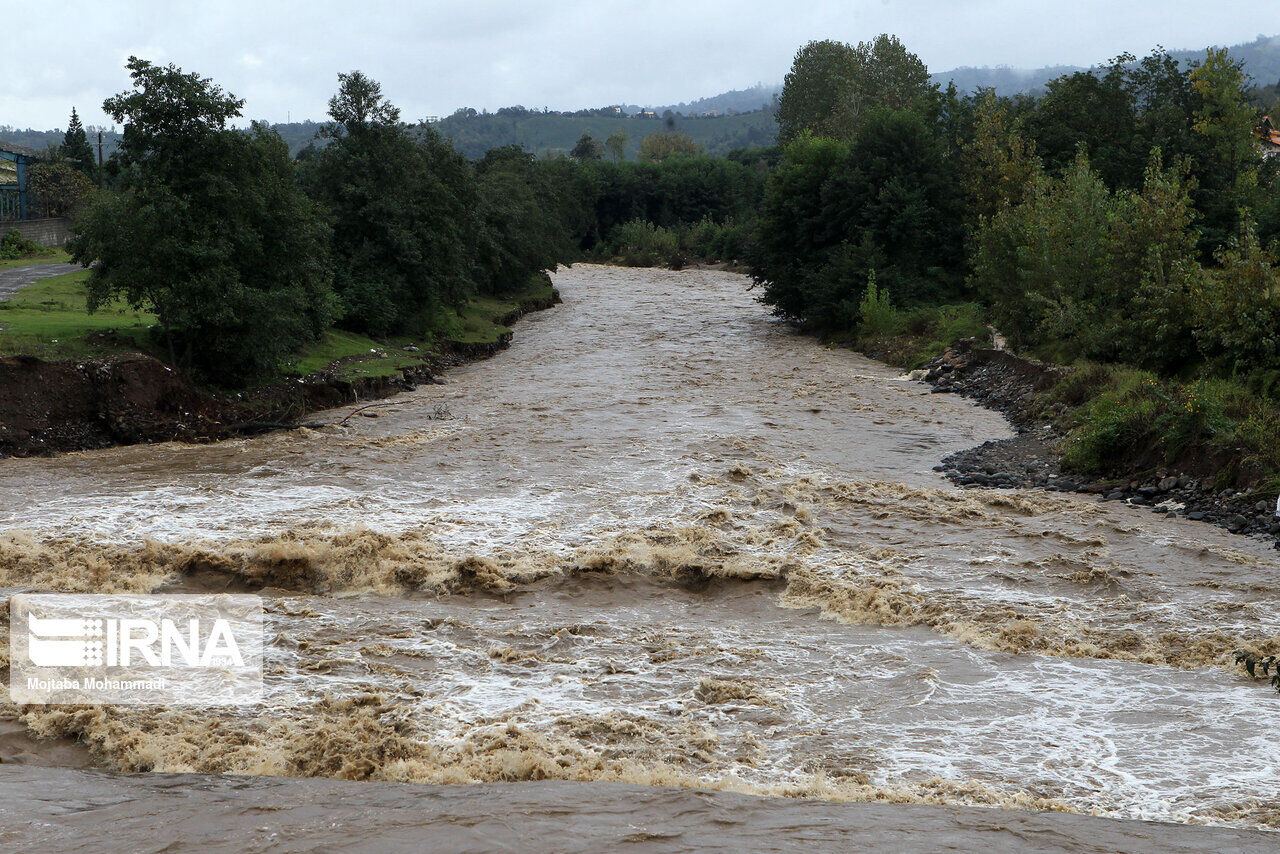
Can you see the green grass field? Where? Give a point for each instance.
(49, 319)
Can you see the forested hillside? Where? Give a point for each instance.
(475, 133)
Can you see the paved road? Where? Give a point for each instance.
(15, 279)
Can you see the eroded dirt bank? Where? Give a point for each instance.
(663, 540)
(52, 407)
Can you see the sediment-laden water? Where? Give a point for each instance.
(664, 540)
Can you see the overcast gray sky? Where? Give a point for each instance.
(435, 56)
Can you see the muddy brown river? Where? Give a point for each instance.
(662, 575)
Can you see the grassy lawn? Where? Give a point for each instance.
(49, 319)
(476, 323)
(366, 356)
(52, 256)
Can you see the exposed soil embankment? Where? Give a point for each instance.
(50, 407)
(1015, 386)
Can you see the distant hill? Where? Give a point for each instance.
(1005, 80)
(40, 140)
(1261, 58)
(475, 133)
(757, 97)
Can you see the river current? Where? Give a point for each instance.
(663, 541)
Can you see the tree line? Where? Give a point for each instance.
(1125, 215)
(245, 254)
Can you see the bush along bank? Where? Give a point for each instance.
(1178, 449)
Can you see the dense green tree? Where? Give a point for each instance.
(233, 261)
(1239, 307)
(209, 230)
(666, 193)
(403, 207)
(523, 227)
(76, 149)
(1230, 166)
(795, 235)
(358, 105)
(891, 77)
(168, 115)
(1095, 112)
(832, 86)
(1152, 274)
(818, 92)
(998, 163)
(587, 148)
(888, 203)
(1039, 264)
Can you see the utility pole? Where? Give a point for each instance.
(99, 160)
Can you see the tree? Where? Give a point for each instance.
(617, 146)
(1096, 112)
(359, 104)
(1224, 120)
(403, 207)
(522, 230)
(998, 164)
(660, 146)
(1152, 273)
(832, 86)
(794, 236)
(1239, 307)
(818, 91)
(60, 185)
(209, 231)
(75, 147)
(587, 148)
(1040, 264)
(168, 115)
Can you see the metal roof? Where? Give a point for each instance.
(14, 148)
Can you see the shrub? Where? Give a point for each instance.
(14, 245)
(639, 243)
(877, 315)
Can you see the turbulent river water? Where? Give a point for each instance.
(661, 540)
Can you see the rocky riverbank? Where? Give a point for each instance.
(133, 398)
(1014, 386)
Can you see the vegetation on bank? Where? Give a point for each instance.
(248, 260)
(50, 319)
(1124, 222)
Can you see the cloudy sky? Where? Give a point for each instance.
(433, 56)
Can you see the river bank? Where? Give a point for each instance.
(1033, 458)
(130, 397)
